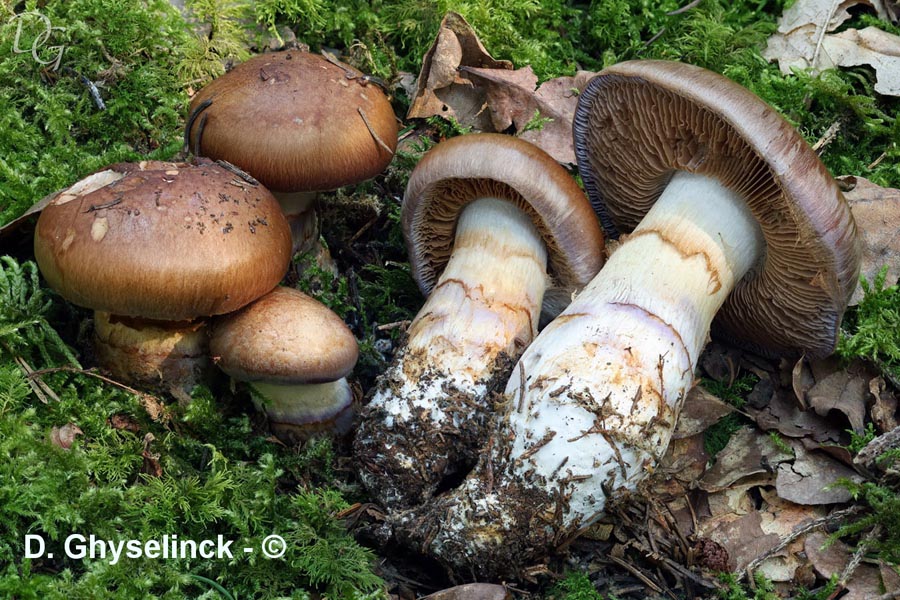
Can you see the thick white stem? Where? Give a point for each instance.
(594, 399)
(480, 316)
(488, 298)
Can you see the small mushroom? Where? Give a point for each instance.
(154, 248)
(300, 124)
(294, 354)
(496, 231)
(732, 216)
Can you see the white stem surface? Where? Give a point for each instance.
(594, 400)
(429, 413)
(486, 302)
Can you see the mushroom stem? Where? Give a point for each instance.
(429, 414)
(593, 401)
(171, 356)
(299, 209)
(296, 412)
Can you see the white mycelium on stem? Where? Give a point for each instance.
(484, 310)
(594, 399)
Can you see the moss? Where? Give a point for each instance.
(196, 472)
(575, 585)
(716, 437)
(54, 132)
(871, 330)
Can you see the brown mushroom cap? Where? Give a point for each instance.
(285, 337)
(463, 169)
(638, 122)
(295, 122)
(167, 241)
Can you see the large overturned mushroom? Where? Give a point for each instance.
(300, 123)
(154, 248)
(496, 230)
(731, 215)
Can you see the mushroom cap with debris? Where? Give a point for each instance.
(295, 121)
(162, 240)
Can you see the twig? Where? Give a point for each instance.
(820, 37)
(801, 530)
(40, 388)
(41, 372)
(684, 8)
(395, 325)
(877, 447)
(827, 137)
(848, 571)
(190, 125)
(877, 161)
(372, 131)
(637, 573)
(363, 229)
(655, 37)
(238, 171)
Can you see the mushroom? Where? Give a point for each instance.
(496, 230)
(300, 124)
(733, 216)
(294, 354)
(153, 248)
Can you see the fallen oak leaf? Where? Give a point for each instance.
(876, 211)
(810, 478)
(830, 559)
(440, 90)
(514, 100)
(845, 392)
(825, 14)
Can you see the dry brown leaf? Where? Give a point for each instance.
(514, 100)
(831, 558)
(845, 392)
(701, 410)
(802, 381)
(64, 436)
(782, 518)
(742, 536)
(749, 452)
(721, 361)
(871, 46)
(816, 13)
(460, 79)
(876, 211)
(122, 421)
(802, 42)
(440, 89)
(810, 478)
(783, 416)
(682, 465)
(884, 410)
(151, 465)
